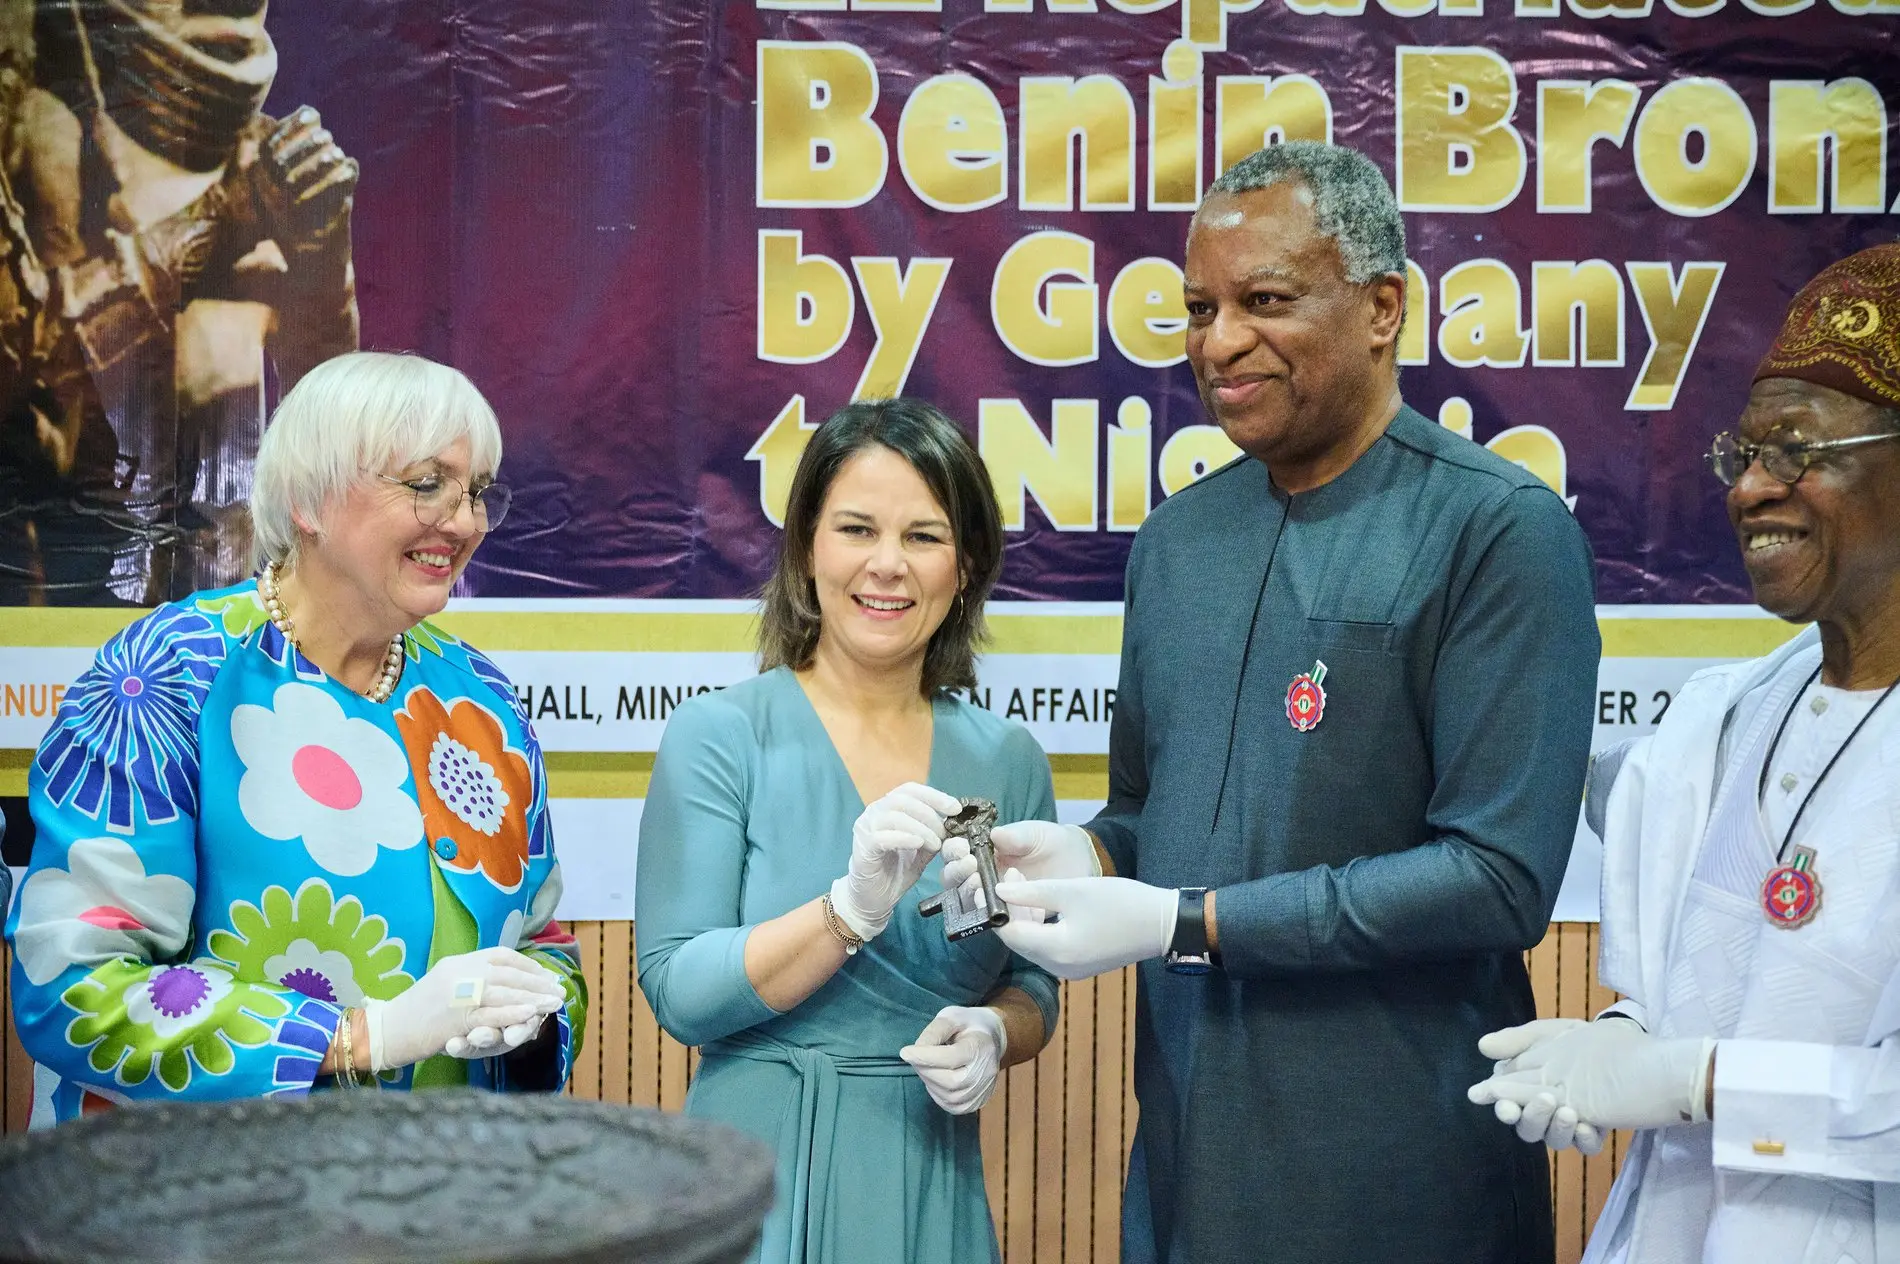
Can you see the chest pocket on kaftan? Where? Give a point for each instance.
(1368, 743)
(1350, 635)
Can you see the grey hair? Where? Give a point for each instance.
(1352, 203)
(352, 417)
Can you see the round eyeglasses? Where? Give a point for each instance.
(1785, 461)
(438, 498)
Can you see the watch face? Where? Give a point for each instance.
(1184, 963)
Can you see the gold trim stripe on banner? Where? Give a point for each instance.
(625, 774)
(733, 632)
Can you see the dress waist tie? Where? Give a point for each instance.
(878, 1213)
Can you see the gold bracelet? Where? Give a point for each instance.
(839, 931)
(346, 1051)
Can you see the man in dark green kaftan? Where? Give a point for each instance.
(1355, 706)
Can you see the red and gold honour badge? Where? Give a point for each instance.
(1305, 700)
(1791, 896)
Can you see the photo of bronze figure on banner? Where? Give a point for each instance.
(174, 258)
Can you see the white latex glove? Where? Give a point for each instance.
(1040, 849)
(1611, 1073)
(1542, 1119)
(958, 1055)
(489, 1042)
(1021, 912)
(513, 991)
(891, 843)
(1102, 923)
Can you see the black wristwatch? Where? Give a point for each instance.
(1188, 951)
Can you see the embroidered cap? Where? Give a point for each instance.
(1843, 329)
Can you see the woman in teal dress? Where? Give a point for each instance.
(288, 834)
(776, 913)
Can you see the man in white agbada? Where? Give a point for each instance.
(1751, 875)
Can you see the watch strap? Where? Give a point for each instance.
(1190, 924)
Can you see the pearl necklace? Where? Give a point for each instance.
(274, 606)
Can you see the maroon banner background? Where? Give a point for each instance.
(562, 198)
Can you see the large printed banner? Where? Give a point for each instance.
(668, 238)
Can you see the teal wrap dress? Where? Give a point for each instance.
(748, 816)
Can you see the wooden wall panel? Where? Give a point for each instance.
(16, 1072)
(1056, 1134)
(1016, 1217)
(626, 1048)
(1078, 1123)
(1112, 1121)
(1566, 1166)
(1051, 1102)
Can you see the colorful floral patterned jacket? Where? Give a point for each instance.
(231, 848)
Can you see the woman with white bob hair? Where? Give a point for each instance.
(287, 833)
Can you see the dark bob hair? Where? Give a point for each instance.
(944, 458)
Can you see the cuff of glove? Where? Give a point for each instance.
(999, 1028)
(373, 1024)
(854, 918)
(1620, 1010)
(1095, 850)
(1699, 1090)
